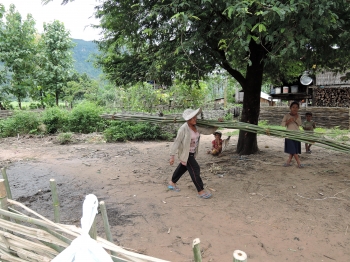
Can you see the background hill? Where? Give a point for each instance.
(82, 52)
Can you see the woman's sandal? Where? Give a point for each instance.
(205, 195)
(301, 166)
(174, 188)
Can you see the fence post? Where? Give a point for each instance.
(56, 204)
(3, 198)
(7, 185)
(239, 256)
(196, 250)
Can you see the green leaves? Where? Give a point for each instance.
(56, 59)
(17, 51)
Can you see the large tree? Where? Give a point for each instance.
(17, 51)
(56, 59)
(167, 39)
(250, 39)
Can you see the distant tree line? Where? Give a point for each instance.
(40, 67)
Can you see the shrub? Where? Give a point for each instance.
(21, 122)
(55, 119)
(122, 131)
(85, 118)
(64, 138)
(34, 105)
(228, 117)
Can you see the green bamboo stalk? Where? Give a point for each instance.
(105, 221)
(56, 204)
(107, 227)
(23, 218)
(7, 185)
(239, 256)
(118, 259)
(271, 131)
(18, 216)
(196, 250)
(3, 198)
(93, 230)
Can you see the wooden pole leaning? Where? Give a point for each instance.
(105, 221)
(56, 204)
(196, 250)
(93, 230)
(239, 256)
(7, 185)
(106, 226)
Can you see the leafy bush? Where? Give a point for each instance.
(122, 131)
(21, 122)
(34, 105)
(228, 117)
(85, 118)
(55, 119)
(64, 138)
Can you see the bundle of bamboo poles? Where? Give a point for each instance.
(27, 236)
(306, 137)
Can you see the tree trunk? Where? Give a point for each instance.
(56, 94)
(41, 99)
(247, 142)
(19, 102)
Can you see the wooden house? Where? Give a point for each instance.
(265, 99)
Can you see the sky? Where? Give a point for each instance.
(76, 15)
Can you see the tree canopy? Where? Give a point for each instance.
(56, 58)
(17, 51)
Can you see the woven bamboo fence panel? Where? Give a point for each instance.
(326, 117)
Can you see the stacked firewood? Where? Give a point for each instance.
(332, 97)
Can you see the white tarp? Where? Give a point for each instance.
(84, 248)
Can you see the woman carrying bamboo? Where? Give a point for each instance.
(186, 144)
(292, 121)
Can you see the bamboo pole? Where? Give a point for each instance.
(7, 185)
(107, 227)
(239, 256)
(93, 230)
(3, 198)
(196, 250)
(318, 139)
(56, 204)
(105, 221)
(39, 225)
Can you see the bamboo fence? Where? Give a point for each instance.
(27, 236)
(210, 125)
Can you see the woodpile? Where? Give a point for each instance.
(332, 97)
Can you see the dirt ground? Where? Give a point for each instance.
(271, 212)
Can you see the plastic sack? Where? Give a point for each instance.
(84, 248)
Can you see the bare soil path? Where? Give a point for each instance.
(271, 212)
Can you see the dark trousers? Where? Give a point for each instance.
(193, 168)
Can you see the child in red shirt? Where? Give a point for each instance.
(216, 144)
